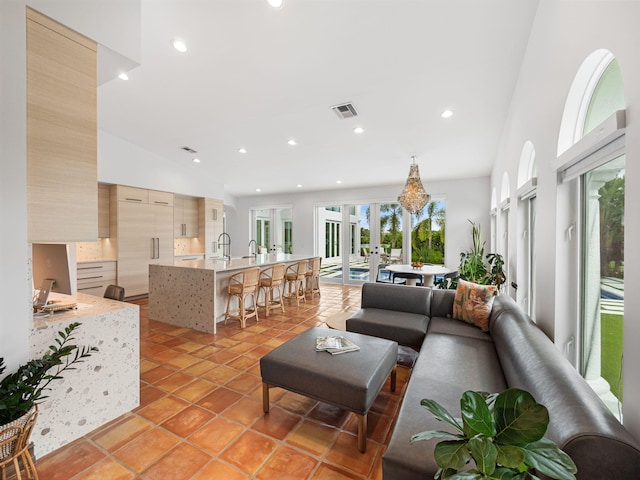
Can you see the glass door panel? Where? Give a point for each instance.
(358, 261)
(427, 234)
(390, 221)
(603, 281)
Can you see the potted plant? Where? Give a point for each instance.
(477, 267)
(22, 390)
(502, 433)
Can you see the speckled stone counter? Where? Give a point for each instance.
(103, 387)
(193, 294)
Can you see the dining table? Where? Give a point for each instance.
(428, 272)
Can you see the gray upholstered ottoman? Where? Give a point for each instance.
(350, 380)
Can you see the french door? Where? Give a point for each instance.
(351, 242)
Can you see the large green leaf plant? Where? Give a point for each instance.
(504, 436)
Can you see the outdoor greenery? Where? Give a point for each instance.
(612, 228)
(503, 434)
(611, 353)
(428, 243)
(20, 390)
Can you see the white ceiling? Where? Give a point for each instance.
(255, 77)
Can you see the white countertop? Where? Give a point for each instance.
(87, 306)
(222, 265)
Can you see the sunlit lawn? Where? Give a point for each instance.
(612, 340)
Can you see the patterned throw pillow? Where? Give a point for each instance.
(473, 303)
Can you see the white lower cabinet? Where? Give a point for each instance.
(93, 277)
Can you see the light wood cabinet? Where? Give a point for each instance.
(211, 225)
(94, 277)
(103, 211)
(144, 235)
(62, 175)
(185, 216)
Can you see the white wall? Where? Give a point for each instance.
(115, 157)
(15, 288)
(563, 35)
(465, 199)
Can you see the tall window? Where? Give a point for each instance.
(595, 167)
(428, 233)
(603, 274)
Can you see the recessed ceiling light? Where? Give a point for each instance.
(242, 150)
(338, 181)
(276, 3)
(446, 114)
(179, 45)
(299, 186)
(358, 130)
(258, 190)
(292, 142)
(123, 76)
(196, 160)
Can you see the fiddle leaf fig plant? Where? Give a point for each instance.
(503, 434)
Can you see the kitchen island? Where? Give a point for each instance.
(193, 294)
(102, 387)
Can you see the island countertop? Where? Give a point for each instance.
(226, 265)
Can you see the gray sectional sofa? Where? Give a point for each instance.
(455, 356)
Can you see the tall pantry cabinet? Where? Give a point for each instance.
(143, 225)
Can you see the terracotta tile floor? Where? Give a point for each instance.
(200, 414)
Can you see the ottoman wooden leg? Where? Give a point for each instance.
(362, 433)
(265, 397)
(393, 379)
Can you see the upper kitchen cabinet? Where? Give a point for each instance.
(103, 211)
(62, 176)
(211, 213)
(185, 216)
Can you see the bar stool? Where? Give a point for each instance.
(271, 279)
(14, 451)
(242, 285)
(295, 277)
(313, 277)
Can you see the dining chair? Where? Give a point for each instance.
(271, 280)
(242, 285)
(114, 292)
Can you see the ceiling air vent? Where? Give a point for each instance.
(346, 110)
(188, 149)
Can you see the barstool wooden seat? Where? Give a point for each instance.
(295, 277)
(15, 459)
(242, 285)
(313, 277)
(271, 278)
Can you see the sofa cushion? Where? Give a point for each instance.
(448, 326)
(407, 329)
(472, 303)
(401, 298)
(447, 366)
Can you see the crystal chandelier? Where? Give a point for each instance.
(413, 197)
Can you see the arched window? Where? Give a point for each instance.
(592, 163)
(526, 194)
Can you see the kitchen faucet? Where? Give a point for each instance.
(226, 243)
(255, 246)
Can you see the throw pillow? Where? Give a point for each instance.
(473, 302)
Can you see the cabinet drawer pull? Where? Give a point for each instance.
(160, 203)
(90, 288)
(133, 199)
(90, 268)
(91, 278)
